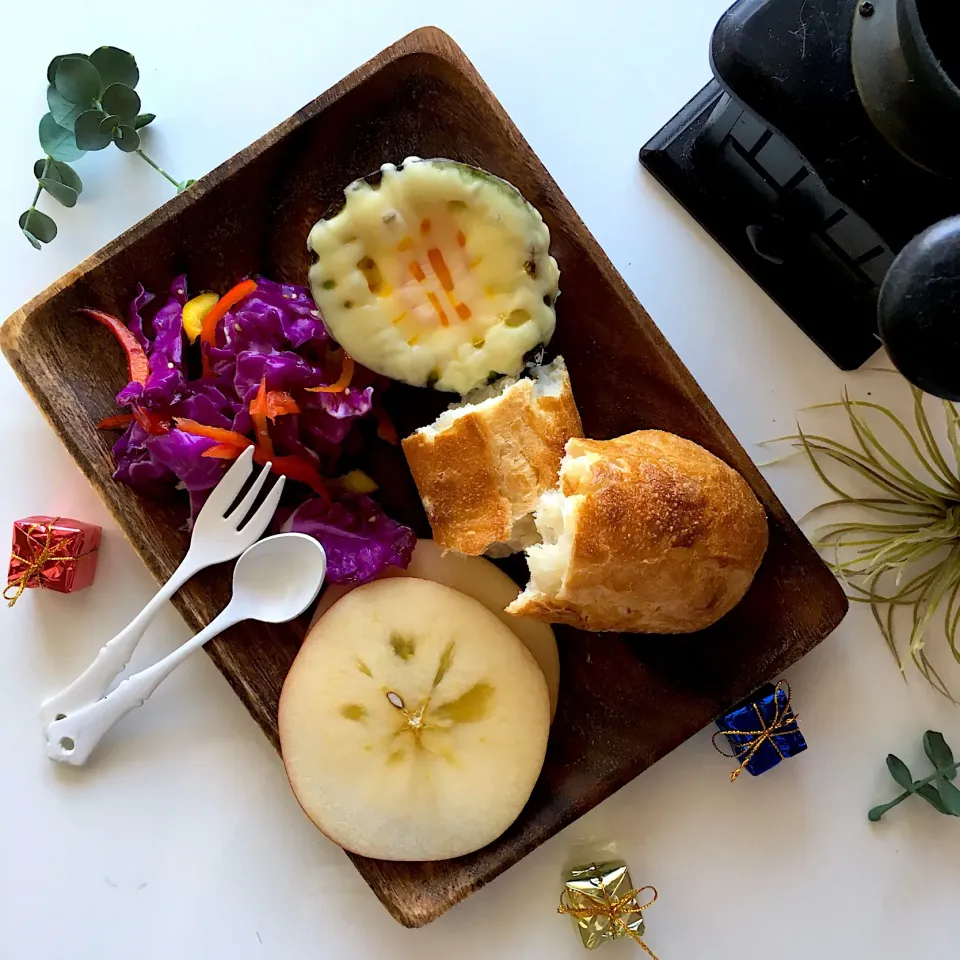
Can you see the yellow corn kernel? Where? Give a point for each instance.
(194, 312)
(356, 481)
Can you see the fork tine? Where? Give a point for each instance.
(225, 492)
(243, 507)
(259, 521)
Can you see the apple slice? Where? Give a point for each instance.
(477, 577)
(413, 723)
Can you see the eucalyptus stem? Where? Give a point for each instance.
(36, 196)
(158, 168)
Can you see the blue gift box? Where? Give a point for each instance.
(763, 730)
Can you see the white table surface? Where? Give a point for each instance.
(183, 839)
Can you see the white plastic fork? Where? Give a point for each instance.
(275, 580)
(217, 537)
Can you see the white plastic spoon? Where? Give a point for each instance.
(274, 581)
(218, 536)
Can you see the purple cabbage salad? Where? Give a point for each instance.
(273, 336)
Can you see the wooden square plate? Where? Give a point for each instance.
(625, 701)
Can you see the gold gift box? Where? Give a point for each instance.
(601, 900)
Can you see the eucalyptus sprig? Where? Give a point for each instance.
(937, 789)
(92, 103)
(909, 556)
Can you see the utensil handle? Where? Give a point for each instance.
(72, 739)
(114, 655)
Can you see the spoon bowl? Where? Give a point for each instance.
(277, 578)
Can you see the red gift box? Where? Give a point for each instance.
(54, 553)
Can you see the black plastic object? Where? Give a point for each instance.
(758, 197)
(785, 100)
(906, 90)
(920, 310)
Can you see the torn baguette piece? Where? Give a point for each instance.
(481, 466)
(646, 533)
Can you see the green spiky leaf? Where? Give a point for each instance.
(143, 119)
(89, 135)
(59, 191)
(913, 563)
(37, 225)
(77, 80)
(121, 100)
(58, 142)
(115, 66)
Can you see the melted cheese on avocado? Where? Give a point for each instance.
(440, 275)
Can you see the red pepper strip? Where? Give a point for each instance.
(259, 413)
(231, 298)
(152, 423)
(385, 428)
(279, 402)
(295, 468)
(138, 366)
(119, 421)
(219, 434)
(223, 451)
(346, 375)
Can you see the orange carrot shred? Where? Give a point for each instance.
(231, 298)
(343, 381)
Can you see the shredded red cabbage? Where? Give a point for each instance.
(275, 334)
(359, 538)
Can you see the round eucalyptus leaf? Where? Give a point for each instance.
(67, 175)
(55, 62)
(143, 119)
(60, 192)
(126, 138)
(108, 124)
(58, 142)
(77, 80)
(48, 169)
(115, 66)
(121, 100)
(88, 132)
(38, 224)
(34, 242)
(64, 112)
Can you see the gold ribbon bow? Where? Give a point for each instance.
(48, 552)
(613, 909)
(783, 722)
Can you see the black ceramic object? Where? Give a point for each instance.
(920, 310)
(904, 87)
(780, 161)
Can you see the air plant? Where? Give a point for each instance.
(909, 555)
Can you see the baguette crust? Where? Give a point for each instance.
(666, 538)
(480, 475)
